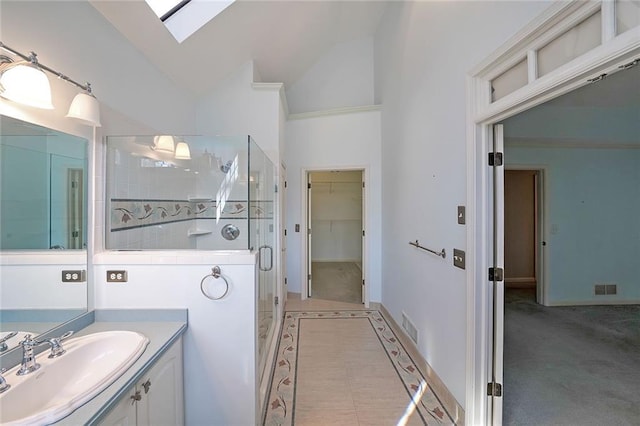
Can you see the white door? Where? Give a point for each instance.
(494, 388)
(364, 234)
(309, 254)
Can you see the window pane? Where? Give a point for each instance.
(627, 15)
(578, 40)
(509, 81)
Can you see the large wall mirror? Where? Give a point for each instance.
(43, 229)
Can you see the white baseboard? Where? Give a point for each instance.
(606, 302)
(446, 397)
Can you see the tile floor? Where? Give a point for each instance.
(341, 364)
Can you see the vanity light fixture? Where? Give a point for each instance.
(85, 108)
(164, 143)
(26, 83)
(182, 151)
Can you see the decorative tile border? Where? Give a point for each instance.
(280, 406)
(135, 213)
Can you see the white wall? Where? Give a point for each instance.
(423, 51)
(343, 141)
(237, 108)
(220, 365)
(343, 77)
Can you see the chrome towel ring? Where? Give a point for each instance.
(215, 274)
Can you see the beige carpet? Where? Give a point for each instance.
(339, 281)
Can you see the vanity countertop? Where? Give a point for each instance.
(162, 334)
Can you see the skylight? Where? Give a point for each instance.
(165, 8)
(184, 17)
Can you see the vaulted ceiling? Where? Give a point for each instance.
(283, 38)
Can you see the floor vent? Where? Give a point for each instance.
(604, 289)
(411, 329)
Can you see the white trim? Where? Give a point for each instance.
(335, 111)
(568, 77)
(274, 87)
(481, 113)
(267, 86)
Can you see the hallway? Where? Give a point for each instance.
(341, 364)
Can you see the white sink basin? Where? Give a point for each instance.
(63, 384)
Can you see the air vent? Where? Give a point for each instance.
(410, 328)
(605, 289)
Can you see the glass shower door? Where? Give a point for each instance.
(262, 198)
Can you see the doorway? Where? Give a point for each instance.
(524, 230)
(335, 235)
(615, 49)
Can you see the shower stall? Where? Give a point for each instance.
(200, 193)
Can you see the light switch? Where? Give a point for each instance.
(462, 216)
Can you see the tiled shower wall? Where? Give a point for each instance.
(152, 205)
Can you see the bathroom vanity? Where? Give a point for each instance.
(156, 398)
(148, 391)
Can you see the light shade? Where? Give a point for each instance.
(164, 143)
(182, 151)
(25, 83)
(86, 109)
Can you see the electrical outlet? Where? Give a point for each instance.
(600, 289)
(76, 276)
(116, 276)
(459, 259)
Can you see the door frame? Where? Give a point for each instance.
(613, 52)
(542, 214)
(304, 285)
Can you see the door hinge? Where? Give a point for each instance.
(276, 188)
(495, 159)
(362, 282)
(309, 231)
(309, 277)
(285, 232)
(363, 232)
(276, 300)
(494, 389)
(285, 183)
(496, 274)
(308, 186)
(285, 281)
(363, 184)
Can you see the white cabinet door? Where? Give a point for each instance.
(157, 399)
(123, 414)
(162, 391)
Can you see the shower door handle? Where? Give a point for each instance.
(270, 258)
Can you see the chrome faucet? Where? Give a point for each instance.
(3, 341)
(29, 364)
(56, 344)
(4, 386)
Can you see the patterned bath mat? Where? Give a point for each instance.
(280, 408)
